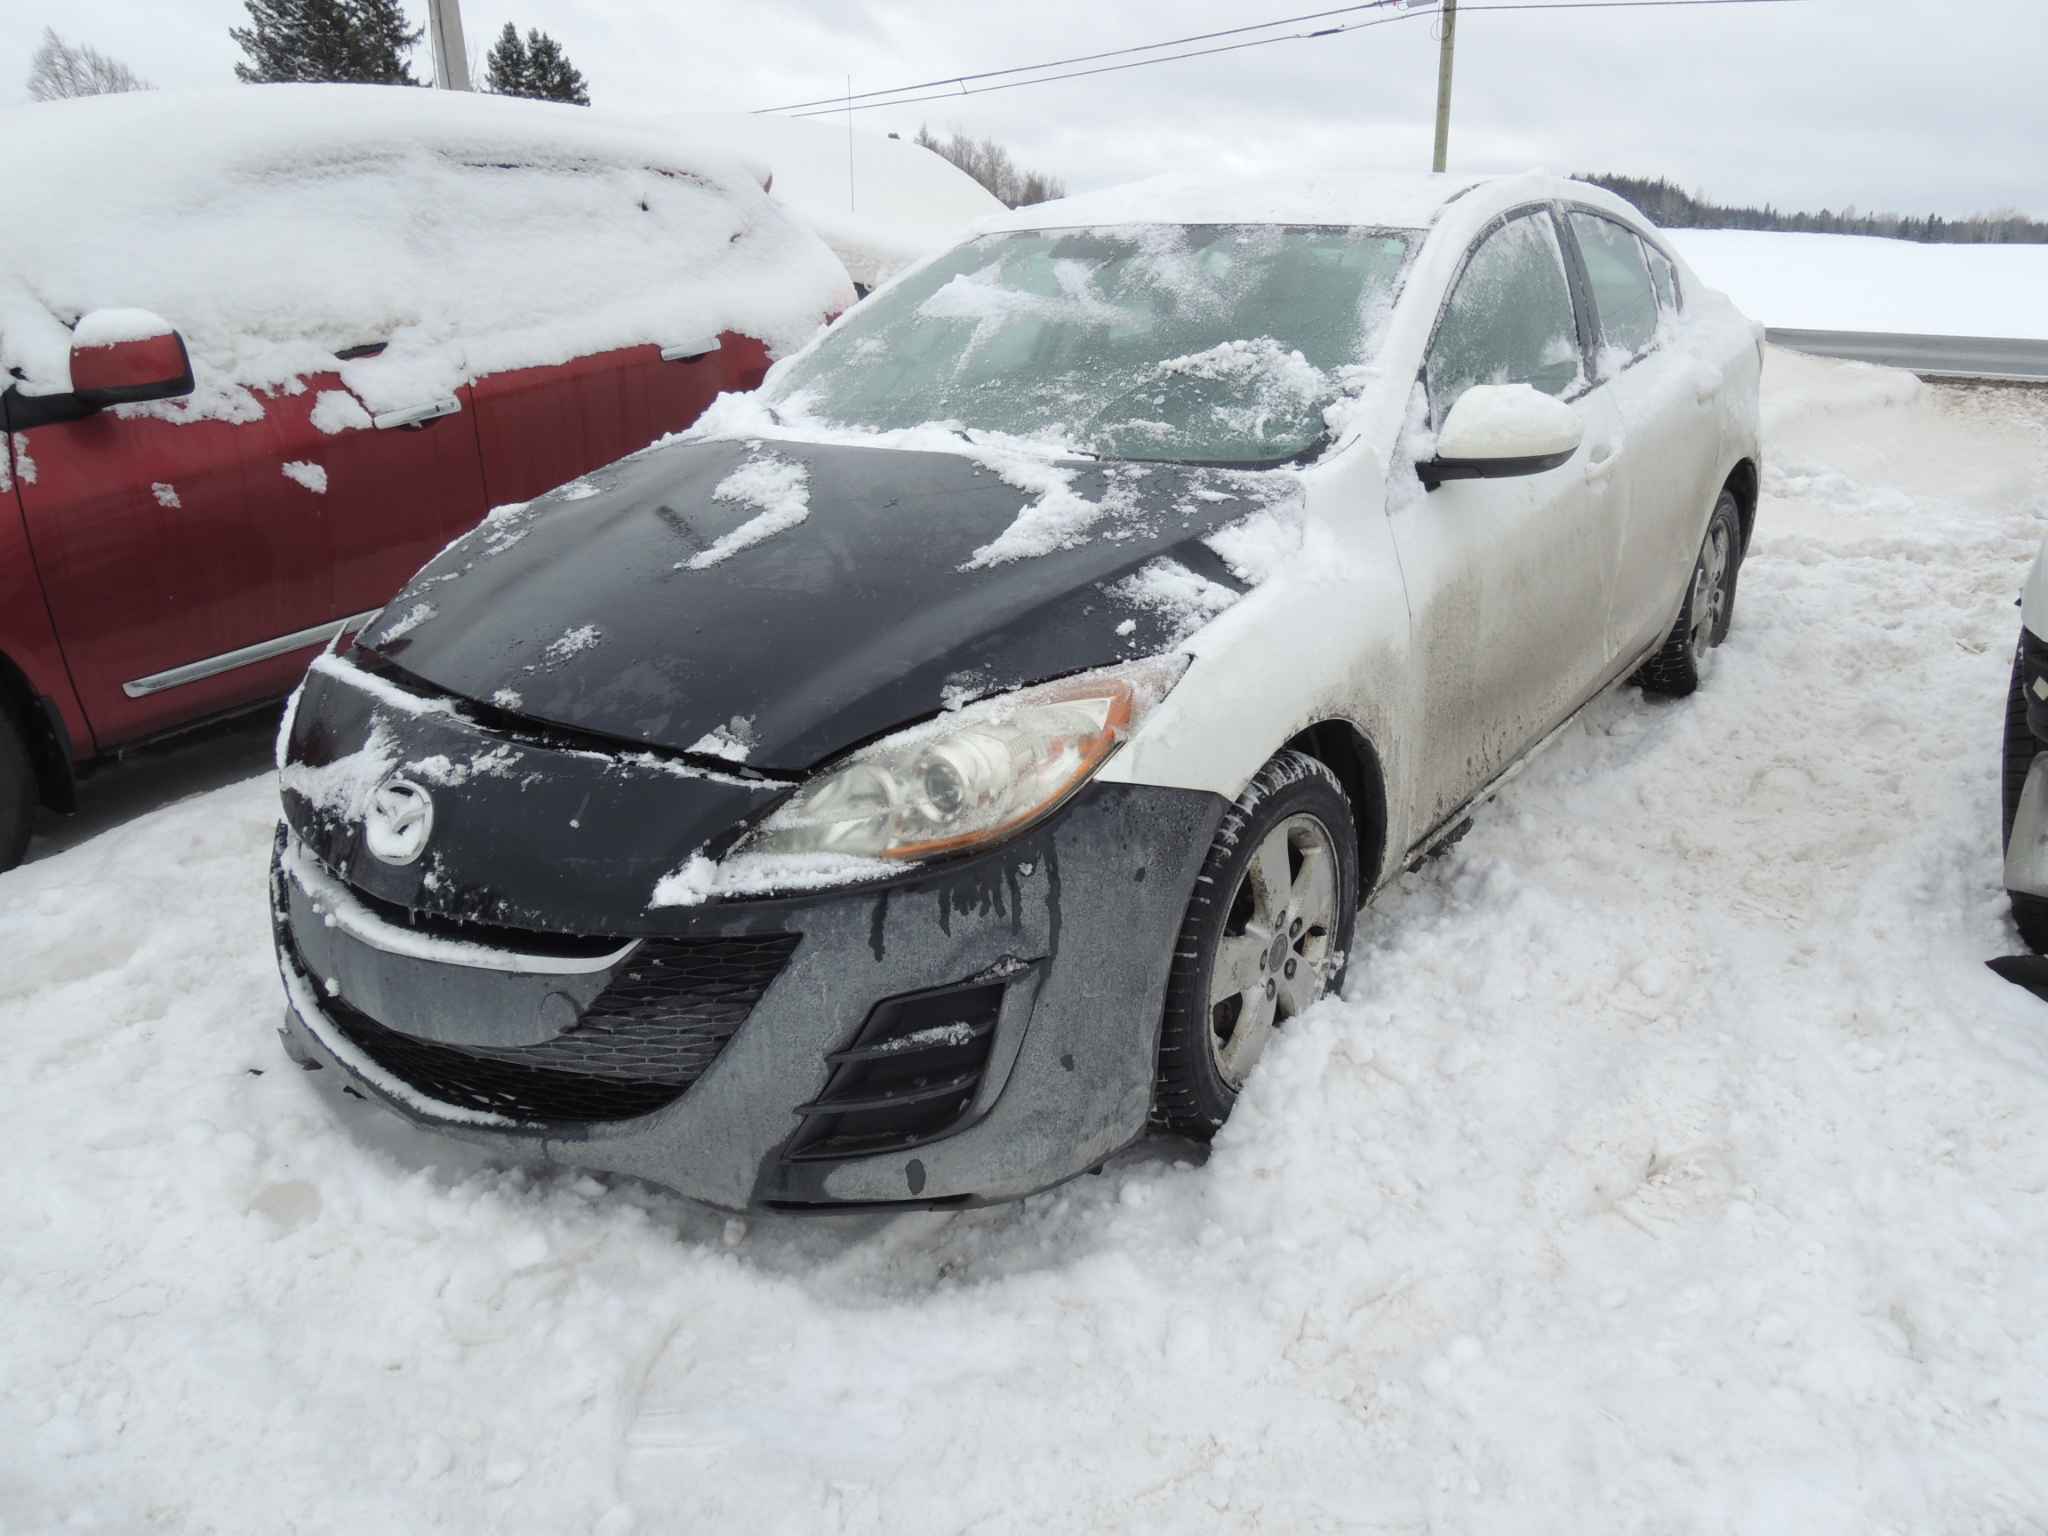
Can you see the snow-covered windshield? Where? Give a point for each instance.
(1217, 344)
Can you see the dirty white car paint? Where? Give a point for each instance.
(1457, 628)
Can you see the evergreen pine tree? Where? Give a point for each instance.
(550, 75)
(351, 40)
(507, 70)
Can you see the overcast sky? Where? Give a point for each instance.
(1893, 104)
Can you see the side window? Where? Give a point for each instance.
(1509, 320)
(1666, 279)
(1621, 283)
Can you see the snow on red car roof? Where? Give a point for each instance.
(277, 225)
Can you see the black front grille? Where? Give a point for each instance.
(910, 1075)
(646, 1038)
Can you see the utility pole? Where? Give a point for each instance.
(1443, 84)
(451, 58)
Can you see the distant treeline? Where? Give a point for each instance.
(1675, 208)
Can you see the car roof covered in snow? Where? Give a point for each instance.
(880, 203)
(276, 225)
(1325, 195)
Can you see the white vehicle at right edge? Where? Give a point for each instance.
(2024, 782)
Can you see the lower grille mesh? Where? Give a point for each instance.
(648, 1036)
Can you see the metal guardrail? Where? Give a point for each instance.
(1935, 357)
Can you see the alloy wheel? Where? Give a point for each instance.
(1712, 592)
(1274, 957)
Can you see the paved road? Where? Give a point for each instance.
(1948, 357)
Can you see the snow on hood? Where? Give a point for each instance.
(880, 203)
(469, 234)
(800, 597)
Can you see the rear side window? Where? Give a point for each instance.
(1622, 292)
(1666, 279)
(1509, 320)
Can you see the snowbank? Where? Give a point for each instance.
(1859, 283)
(1672, 1163)
(894, 203)
(275, 226)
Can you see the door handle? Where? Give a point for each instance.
(1600, 461)
(416, 415)
(690, 351)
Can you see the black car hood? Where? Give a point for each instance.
(582, 609)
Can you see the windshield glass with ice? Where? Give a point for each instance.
(1217, 344)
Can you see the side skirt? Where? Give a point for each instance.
(1454, 826)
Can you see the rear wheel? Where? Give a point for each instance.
(2030, 913)
(17, 792)
(1265, 936)
(1678, 669)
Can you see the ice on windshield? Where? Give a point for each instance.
(1207, 343)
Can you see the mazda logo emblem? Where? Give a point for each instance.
(401, 820)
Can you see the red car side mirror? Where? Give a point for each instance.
(122, 356)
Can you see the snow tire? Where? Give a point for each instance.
(2030, 913)
(17, 792)
(1191, 1094)
(1677, 669)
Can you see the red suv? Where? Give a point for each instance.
(269, 349)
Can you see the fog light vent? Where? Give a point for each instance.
(909, 1076)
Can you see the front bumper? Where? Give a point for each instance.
(1018, 991)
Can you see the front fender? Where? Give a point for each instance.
(2034, 597)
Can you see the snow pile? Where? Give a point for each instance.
(468, 234)
(1059, 518)
(302, 472)
(1322, 194)
(1861, 283)
(703, 879)
(1510, 421)
(571, 642)
(111, 327)
(405, 623)
(1672, 1163)
(1185, 598)
(341, 789)
(336, 410)
(779, 487)
(1250, 394)
(895, 203)
(731, 741)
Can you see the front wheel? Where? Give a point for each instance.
(1678, 669)
(17, 793)
(2029, 913)
(1265, 936)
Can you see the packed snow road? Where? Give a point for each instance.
(1672, 1163)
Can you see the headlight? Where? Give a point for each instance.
(971, 777)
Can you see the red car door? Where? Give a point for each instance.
(541, 427)
(167, 557)
(193, 568)
(400, 485)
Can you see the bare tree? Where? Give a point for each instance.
(992, 165)
(59, 71)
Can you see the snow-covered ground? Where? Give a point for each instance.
(1671, 1164)
(1856, 283)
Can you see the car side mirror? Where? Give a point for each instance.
(1498, 430)
(124, 356)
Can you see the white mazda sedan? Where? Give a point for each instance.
(972, 748)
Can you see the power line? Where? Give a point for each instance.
(862, 103)
(1083, 58)
(1110, 69)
